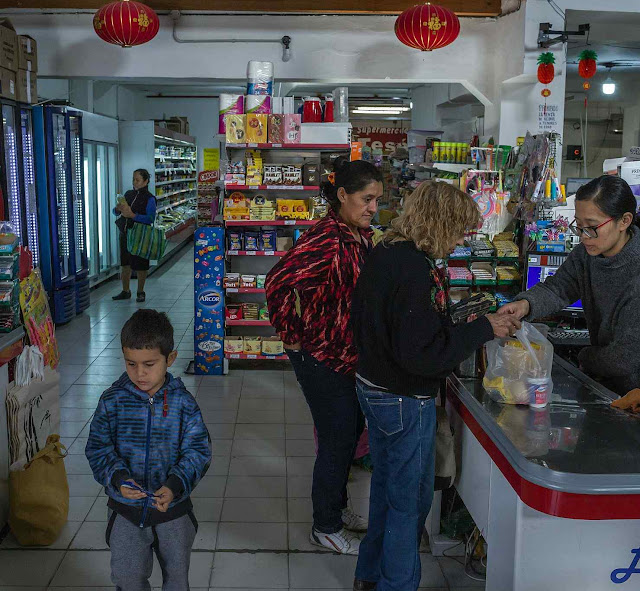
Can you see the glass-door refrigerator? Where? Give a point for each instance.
(56, 201)
(18, 173)
(78, 197)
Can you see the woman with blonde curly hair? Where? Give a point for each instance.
(406, 344)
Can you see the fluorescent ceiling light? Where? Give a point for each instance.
(374, 108)
(609, 86)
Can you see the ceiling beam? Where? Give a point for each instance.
(474, 8)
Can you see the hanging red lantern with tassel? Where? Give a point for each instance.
(126, 23)
(427, 27)
(546, 74)
(587, 66)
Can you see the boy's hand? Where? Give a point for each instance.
(131, 493)
(163, 499)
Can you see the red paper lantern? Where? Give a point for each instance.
(587, 64)
(427, 27)
(546, 69)
(126, 23)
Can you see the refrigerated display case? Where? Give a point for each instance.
(60, 190)
(18, 173)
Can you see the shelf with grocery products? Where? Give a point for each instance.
(271, 188)
(174, 170)
(164, 196)
(247, 322)
(180, 226)
(171, 205)
(282, 357)
(244, 290)
(174, 181)
(182, 143)
(239, 223)
(304, 147)
(256, 253)
(175, 158)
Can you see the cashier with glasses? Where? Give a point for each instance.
(604, 272)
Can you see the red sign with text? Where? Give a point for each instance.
(386, 139)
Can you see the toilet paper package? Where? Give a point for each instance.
(260, 104)
(260, 78)
(230, 104)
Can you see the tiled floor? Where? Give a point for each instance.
(254, 505)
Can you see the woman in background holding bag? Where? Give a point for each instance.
(139, 206)
(406, 344)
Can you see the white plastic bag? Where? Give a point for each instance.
(519, 369)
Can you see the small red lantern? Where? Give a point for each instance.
(546, 93)
(126, 23)
(427, 27)
(587, 64)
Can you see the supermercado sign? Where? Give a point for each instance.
(386, 139)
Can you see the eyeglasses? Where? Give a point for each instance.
(588, 231)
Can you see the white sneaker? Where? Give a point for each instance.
(341, 542)
(354, 522)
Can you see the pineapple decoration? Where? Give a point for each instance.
(587, 66)
(546, 74)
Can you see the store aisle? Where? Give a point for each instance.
(253, 506)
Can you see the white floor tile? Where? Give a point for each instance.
(210, 486)
(259, 431)
(79, 507)
(300, 466)
(206, 536)
(254, 571)
(254, 510)
(207, 509)
(28, 567)
(252, 447)
(299, 431)
(99, 510)
(252, 536)
(301, 447)
(454, 573)
(258, 466)
(83, 485)
(300, 510)
(256, 486)
(91, 536)
(326, 571)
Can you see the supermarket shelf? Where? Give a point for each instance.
(175, 193)
(256, 253)
(231, 223)
(6, 340)
(176, 158)
(282, 357)
(175, 204)
(484, 259)
(244, 290)
(179, 227)
(172, 170)
(327, 147)
(271, 188)
(247, 323)
(451, 167)
(173, 182)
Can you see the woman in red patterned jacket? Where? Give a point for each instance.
(322, 270)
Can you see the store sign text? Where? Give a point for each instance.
(548, 117)
(380, 138)
(622, 575)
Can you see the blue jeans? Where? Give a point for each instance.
(339, 422)
(402, 443)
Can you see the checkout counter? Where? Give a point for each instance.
(554, 491)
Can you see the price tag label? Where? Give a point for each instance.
(289, 222)
(274, 187)
(276, 145)
(232, 290)
(251, 253)
(252, 356)
(269, 253)
(252, 145)
(234, 356)
(296, 188)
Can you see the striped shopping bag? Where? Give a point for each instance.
(146, 241)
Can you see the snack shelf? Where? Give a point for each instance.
(169, 232)
(175, 193)
(282, 357)
(161, 139)
(172, 170)
(174, 158)
(327, 147)
(164, 208)
(247, 322)
(484, 259)
(191, 180)
(232, 223)
(257, 253)
(271, 188)
(244, 290)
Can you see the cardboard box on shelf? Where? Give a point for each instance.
(8, 46)
(7, 84)
(27, 53)
(27, 87)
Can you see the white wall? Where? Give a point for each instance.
(202, 114)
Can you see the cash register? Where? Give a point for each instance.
(539, 267)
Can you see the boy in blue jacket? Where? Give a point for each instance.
(149, 447)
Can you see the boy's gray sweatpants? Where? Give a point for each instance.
(132, 551)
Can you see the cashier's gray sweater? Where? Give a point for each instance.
(609, 288)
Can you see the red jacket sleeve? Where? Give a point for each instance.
(306, 266)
